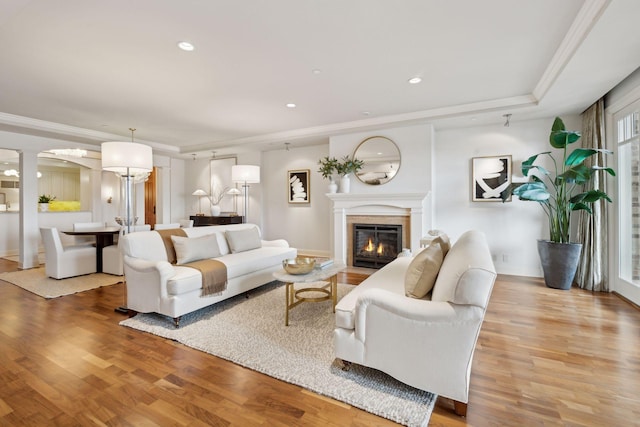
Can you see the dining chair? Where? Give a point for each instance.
(112, 262)
(186, 223)
(166, 226)
(86, 240)
(66, 261)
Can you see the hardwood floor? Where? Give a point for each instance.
(544, 357)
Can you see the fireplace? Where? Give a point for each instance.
(375, 245)
(411, 210)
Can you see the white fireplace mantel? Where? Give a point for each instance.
(415, 205)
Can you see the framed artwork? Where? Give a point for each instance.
(298, 190)
(490, 176)
(220, 171)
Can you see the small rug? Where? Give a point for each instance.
(251, 332)
(36, 281)
(16, 258)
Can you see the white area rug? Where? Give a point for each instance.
(251, 333)
(16, 258)
(35, 280)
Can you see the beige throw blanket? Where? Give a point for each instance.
(214, 276)
(214, 273)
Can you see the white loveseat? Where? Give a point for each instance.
(155, 285)
(427, 343)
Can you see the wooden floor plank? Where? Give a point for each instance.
(544, 357)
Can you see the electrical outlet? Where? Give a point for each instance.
(505, 258)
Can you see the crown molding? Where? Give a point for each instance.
(587, 17)
(373, 123)
(61, 131)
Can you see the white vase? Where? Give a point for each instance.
(44, 207)
(215, 210)
(333, 187)
(345, 184)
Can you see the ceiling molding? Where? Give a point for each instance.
(587, 17)
(63, 131)
(374, 123)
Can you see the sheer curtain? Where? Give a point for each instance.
(592, 229)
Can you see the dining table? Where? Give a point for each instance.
(104, 237)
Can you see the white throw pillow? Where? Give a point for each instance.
(423, 269)
(189, 249)
(243, 240)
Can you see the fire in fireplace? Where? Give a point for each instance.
(375, 245)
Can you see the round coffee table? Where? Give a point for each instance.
(294, 297)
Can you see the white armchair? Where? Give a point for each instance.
(166, 226)
(427, 343)
(66, 261)
(112, 255)
(86, 240)
(186, 223)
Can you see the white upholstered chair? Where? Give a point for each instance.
(86, 240)
(112, 255)
(186, 223)
(66, 261)
(166, 226)
(86, 225)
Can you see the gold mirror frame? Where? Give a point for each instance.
(381, 158)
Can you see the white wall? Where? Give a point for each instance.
(512, 228)
(197, 175)
(178, 196)
(304, 226)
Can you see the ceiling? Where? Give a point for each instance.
(88, 70)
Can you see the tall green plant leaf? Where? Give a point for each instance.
(528, 164)
(533, 191)
(560, 137)
(578, 174)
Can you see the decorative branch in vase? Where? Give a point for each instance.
(215, 199)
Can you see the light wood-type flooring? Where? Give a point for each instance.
(544, 357)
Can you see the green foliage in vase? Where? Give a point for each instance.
(328, 166)
(45, 198)
(349, 165)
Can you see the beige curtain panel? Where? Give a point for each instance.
(592, 271)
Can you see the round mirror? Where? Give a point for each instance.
(381, 158)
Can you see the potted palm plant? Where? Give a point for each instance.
(560, 192)
(43, 201)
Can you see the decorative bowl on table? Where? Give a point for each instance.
(299, 265)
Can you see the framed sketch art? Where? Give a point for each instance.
(298, 186)
(490, 176)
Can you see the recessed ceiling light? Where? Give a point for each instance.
(316, 71)
(415, 80)
(291, 105)
(186, 46)
(366, 113)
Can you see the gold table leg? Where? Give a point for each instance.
(334, 291)
(290, 296)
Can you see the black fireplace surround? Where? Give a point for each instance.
(375, 245)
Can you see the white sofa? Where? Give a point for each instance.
(427, 343)
(155, 285)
